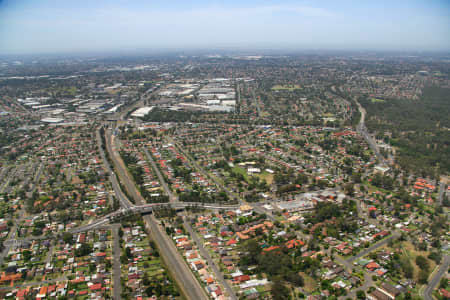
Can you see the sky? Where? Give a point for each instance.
(70, 26)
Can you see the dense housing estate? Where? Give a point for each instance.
(224, 177)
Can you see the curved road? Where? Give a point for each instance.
(443, 268)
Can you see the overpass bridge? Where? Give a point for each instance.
(149, 208)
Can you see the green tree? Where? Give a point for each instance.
(361, 295)
(423, 276)
(422, 263)
(279, 291)
(67, 238)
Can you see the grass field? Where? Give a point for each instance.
(310, 284)
(241, 171)
(288, 87)
(266, 176)
(408, 249)
(376, 100)
(411, 253)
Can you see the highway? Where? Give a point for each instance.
(124, 202)
(180, 271)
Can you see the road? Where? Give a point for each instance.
(146, 208)
(373, 247)
(34, 283)
(443, 268)
(160, 177)
(211, 262)
(4, 171)
(9, 243)
(48, 259)
(91, 226)
(36, 178)
(117, 286)
(207, 174)
(11, 240)
(180, 271)
(9, 177)
(124, 202)
(442, 190)
(363, 131)
(368, 282)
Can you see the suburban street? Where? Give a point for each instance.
(185, 279)
(211, 262)
(160, 177)
(117, 286)
(373, 247)
(442, 269)
(225, 174)
(363, 131)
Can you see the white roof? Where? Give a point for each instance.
(140, 112)
(52, 120)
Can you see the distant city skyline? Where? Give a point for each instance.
(51, 26)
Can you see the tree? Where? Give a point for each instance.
(252, 250)
(443, 284)
(423, 276)
(422, 262)
(349, 189)
(67, 238)
(84, 250)
(92, 268)
(128, 252)
(361, 295)
(435, 256)
(294, 278)
(279, 291)
(407, 268)
(26, 255)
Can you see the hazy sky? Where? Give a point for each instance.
(58, 26)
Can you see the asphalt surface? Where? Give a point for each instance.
(11, 240)
(211, 262)
(206, 174)
(363, 131)
(441, 192)
(9, 177)
(160, 177)
(180, 271)
(443, 268)
(373, 247)
(34, 283)
(36, 178)
(124, 202)
(368, 282)
(117, 286)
